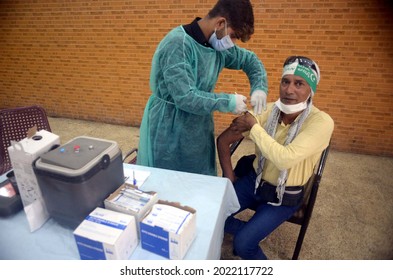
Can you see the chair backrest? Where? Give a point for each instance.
(303, 215)
(234, 146)
(310, 192)
(14, 124)
(128, 154)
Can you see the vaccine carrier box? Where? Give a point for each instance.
(76, 177)
(22, 155)
(106, 235)
(168, 230)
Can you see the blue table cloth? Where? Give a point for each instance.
(213, 198)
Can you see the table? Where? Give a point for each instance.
(213, 198)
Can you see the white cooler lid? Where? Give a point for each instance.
(77, 156)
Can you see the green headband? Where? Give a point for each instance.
(305, 72)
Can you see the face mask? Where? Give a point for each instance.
(291, 109)
(222, 44)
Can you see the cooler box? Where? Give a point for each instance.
(76, 177)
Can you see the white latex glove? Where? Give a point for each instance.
(241, 105)
(258, 101)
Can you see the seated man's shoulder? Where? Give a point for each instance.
(320, 115)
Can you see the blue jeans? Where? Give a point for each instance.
(266, 219)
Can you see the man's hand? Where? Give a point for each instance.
(243, 123)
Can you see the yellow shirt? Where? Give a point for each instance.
(301, 155)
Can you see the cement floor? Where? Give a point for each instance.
(353, 214)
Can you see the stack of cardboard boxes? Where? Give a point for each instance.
(164, 228)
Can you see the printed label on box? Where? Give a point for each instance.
(168, 230)
(106, 234)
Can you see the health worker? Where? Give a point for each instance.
(177, 129)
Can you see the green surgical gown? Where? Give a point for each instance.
(177, 129)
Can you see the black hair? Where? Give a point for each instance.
(239, 15)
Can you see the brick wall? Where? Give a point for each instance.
(91, 59)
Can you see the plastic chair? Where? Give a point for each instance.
(14, 124)
(303, 216)
(128, 154)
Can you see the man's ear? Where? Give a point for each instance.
(220, 23)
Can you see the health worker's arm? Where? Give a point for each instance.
(239, 58)
(184, 69)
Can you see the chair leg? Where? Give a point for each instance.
(299, 241)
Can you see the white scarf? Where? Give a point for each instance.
(271, 126)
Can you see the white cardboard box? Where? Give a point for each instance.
(130, 200)
(106, 235)
(168, 230)
(22, 155)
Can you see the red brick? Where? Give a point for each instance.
(91, 59)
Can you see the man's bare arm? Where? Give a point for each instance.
(224, 140)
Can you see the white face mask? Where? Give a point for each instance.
(291, 109)
(222, 44)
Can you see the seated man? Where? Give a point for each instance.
(289, 138)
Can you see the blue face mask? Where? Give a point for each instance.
(222, 44)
